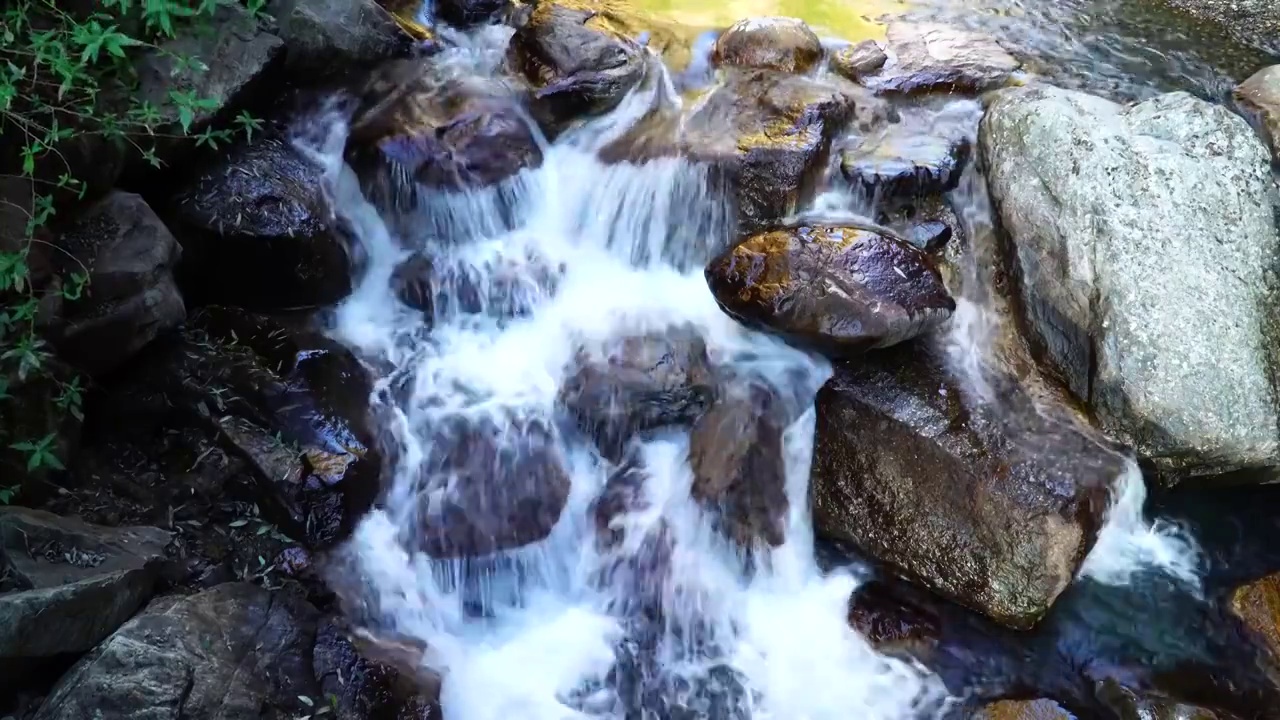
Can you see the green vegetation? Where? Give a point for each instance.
(68, 74)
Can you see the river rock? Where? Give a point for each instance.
(292, 403)
(993, 507)
(1258, 605)
(930, 57)
(258, 231)
(638, 384)
(577, 65)
(840, 290)
(930, 235)
(1152, 297)
(67, 585)
(420, 127)
(739, 467)
(237, 652)
(129, 258)
(362, 676)
(238, 50)
(858, 60)
(489, 487)
(412, 283)
(321, 35)
(900, 163)
(771, 43)
(1023, 710)
(1259, 97)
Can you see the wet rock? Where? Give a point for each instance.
(841, 290)
(638, 384)
(770, 43)
(929, 57)
(363, 677)
(1151, 297)
(1258, 605)
(919, 475)
(236, 652)
(131, 297)
(420, 127)
(465, 13)
(1128, 705)
(858, 60)
(292, 403)
(321, 35)
(236, 53)
(739, 468)
(488, 487)
(930, 235)
(258, 232)
(770, 134)
(412, 283)
(577, 66)
(67, 585)
(1023, 710)
(892, 626)
(1259, 98)
(635, 554)
(901, 163)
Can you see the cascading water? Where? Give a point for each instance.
(570, 258)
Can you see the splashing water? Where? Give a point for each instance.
(568, 257)
(546, 631)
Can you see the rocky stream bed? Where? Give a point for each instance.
(536, 362)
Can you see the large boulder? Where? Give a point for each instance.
(1144, 239)
(930, 57)
(330, 34)
(841, 290)
(577, 65)
(490, 486)
(292, 403)
(991, 506)
(128, 256)
(419, 127)
(637, 384)
(239, 50)
(771, 43)
(258, 231)
(236, 652)
(67, 585)
(1259, 97)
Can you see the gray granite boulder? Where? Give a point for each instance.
(66, 585)
(1145, 241)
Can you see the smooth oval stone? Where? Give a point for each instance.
(838, 290)
(770, 43)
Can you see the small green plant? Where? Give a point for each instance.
(66, 78)
(7, 494)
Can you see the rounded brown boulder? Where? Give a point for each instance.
(770, 43)
(838, 290)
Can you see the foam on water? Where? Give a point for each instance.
(542, 632)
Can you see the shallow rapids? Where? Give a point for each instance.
(572, 257)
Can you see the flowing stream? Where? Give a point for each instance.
(574, 256)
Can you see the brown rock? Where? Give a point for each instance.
(488, 487)
(576, 65)
(1258, 605)
(1023, 710)
(642, 383)
(770, 43)
(1259, 98)
(842, 290)
(739, 469)
(929, 57)
(858, 60)
(418, 127)
(994, 509)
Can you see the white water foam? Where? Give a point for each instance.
(766, 639)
